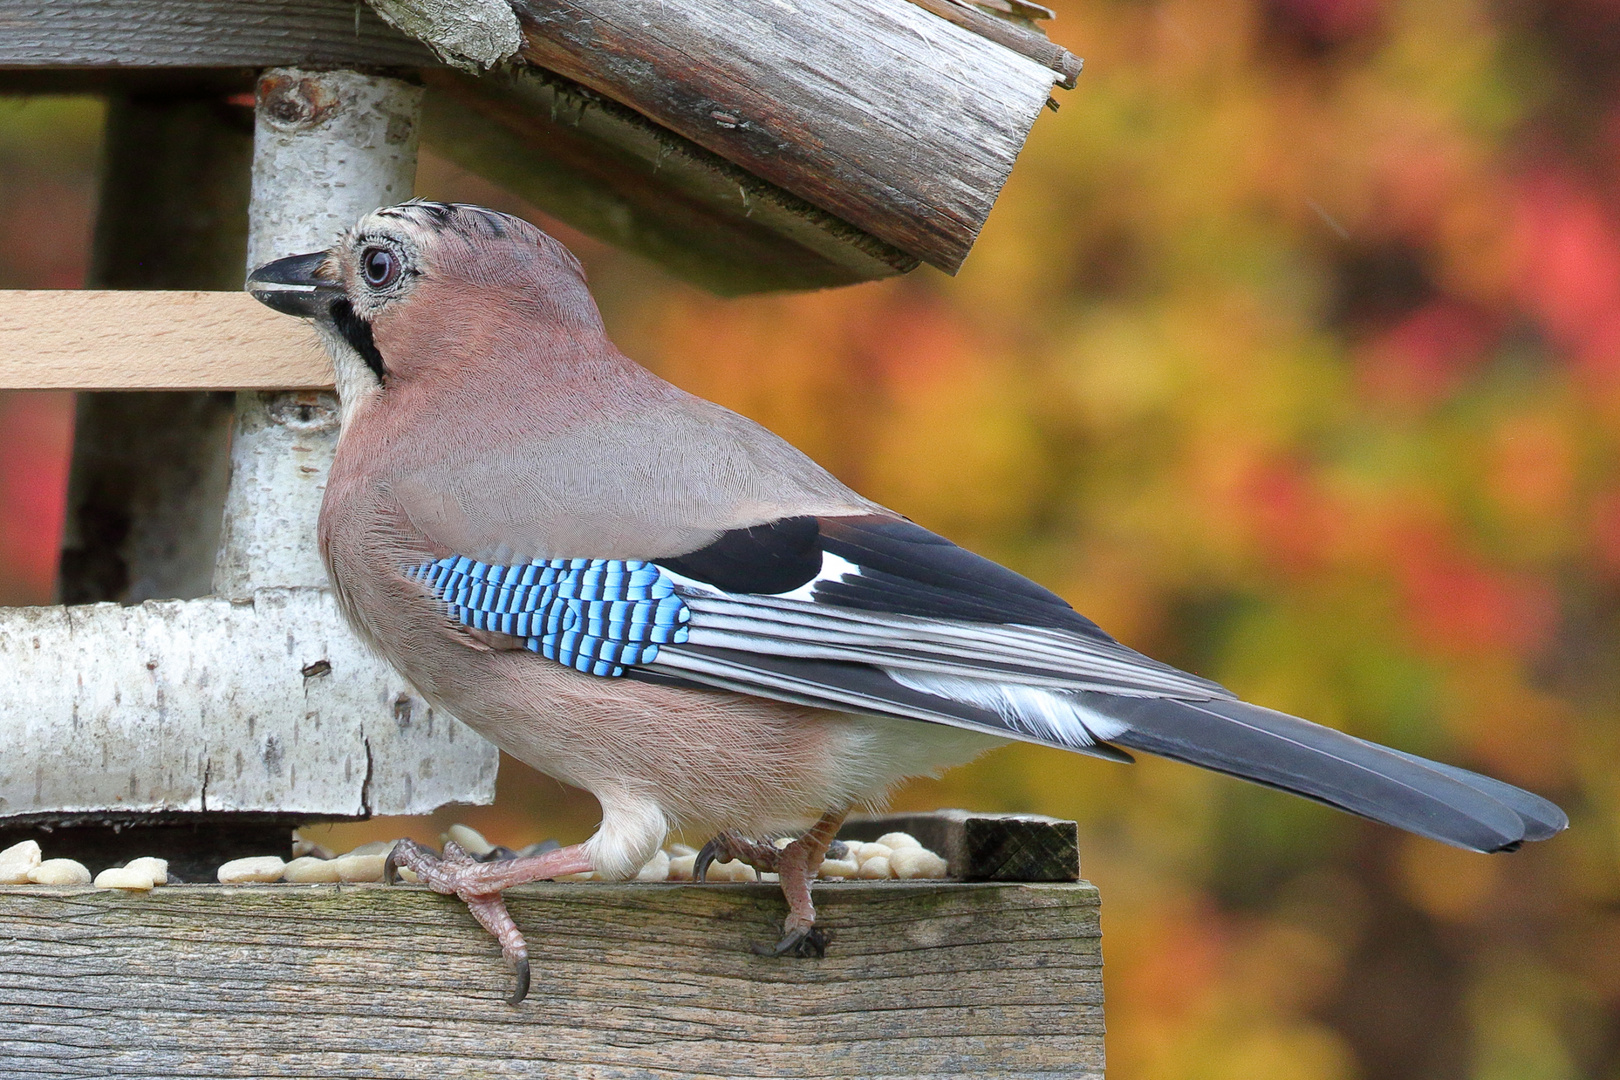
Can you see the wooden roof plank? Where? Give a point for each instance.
(891, 118)
(201, 33)
(615, 175)
(873, 114)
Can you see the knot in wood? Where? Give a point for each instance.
(295, 103)
(306, 412)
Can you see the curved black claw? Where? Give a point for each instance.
(520, 989)
(807, 942)
(391, 865)
(706, 856)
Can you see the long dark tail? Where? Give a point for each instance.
(1439, 801)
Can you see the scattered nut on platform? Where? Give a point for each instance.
(376, 847)
(147, 864)
(60, 872)
(471, 840)
(874, 869)
(657, 868)
(681, 866)
(863, 852)
(302, 847)
(733, 870)
(254, 868)
(17, 860)
(917, 862)
(307, 870)
(839, 868)
(367, 867)
(125, 877)
(895, 841)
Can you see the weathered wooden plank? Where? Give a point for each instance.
(891, 118)
(91, 339)
(612, 173)
(269, 705)
(985, 847)
(201, 33)
(1021, 37)
(884, 115)
(631, 980)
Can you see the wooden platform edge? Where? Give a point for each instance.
(95, 339)
(634, 979)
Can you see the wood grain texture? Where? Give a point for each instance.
(1020, 37)
(894, 120)
(630, 980)
(985, 847)
(90, 339)
(202, 34)
(610, 172)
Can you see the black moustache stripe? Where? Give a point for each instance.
(357, 332)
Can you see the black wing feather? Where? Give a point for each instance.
(911, 609)
(776, 557)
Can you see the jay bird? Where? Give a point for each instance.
(650, 597)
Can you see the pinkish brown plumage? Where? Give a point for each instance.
(745, 645)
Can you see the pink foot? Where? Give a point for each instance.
(798, 864)
(479, 885)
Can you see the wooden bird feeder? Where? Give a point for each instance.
(196, 694)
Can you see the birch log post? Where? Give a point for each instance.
(328, 147)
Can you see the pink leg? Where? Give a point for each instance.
(798, 864)
(479, 885)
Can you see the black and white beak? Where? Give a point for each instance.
(293, 286)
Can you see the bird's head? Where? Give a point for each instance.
(426, 288)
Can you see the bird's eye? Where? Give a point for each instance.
(381, 267)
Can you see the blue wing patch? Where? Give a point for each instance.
(595, 615)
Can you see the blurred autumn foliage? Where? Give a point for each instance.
(1291, 355)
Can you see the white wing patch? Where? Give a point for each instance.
(833, 568)
(1045, 714)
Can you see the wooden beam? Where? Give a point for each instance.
(878, 116)
(1020, 36)
(986, 847)
(612, 173)
(630, 980)
(91, 339)
(883, 114)
(201, 34)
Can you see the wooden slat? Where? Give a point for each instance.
(883, 114)
(631, 980)
(200, 33)
(116, 340)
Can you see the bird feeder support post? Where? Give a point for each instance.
(149, 469)
(328, 147)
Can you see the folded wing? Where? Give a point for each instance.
(874, 614)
